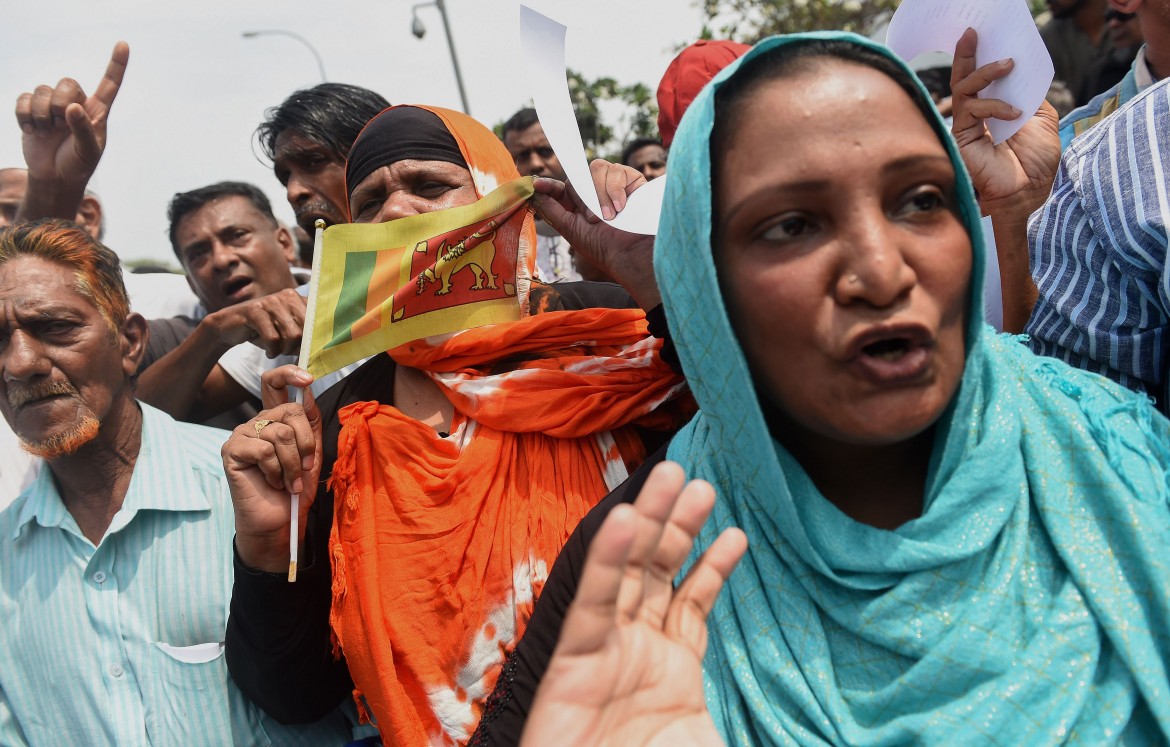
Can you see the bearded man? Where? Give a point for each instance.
(116, 563)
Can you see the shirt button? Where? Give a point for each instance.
(99, 577)
(116, 670)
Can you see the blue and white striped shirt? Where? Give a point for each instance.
(1098, 248)
(123, 643)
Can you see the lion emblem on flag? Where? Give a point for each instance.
(475, 253)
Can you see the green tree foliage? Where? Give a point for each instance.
(603, 132)
(749, 21)
(610, 114)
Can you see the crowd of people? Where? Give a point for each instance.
(766, 477)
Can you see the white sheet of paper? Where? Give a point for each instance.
(992, 288)
(542, 41)
(1005, 29)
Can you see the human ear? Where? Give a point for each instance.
(133, 335)
(89, 216)
(288, 245)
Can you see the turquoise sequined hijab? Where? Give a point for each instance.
(1029, 604)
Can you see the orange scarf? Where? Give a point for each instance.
(440, 546)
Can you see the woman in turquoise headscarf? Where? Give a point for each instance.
(949, 540)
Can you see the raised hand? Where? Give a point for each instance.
(627, 669)
(266, 459)
(1023, 166)
(1013, 179)
(626, 257)
(65, 130)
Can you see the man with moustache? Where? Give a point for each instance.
(244, 280)
(308, 137)
(116, 563)
(237, 257)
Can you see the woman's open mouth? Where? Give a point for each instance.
(888, 350)
(891, 357)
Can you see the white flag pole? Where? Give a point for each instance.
(299, 392)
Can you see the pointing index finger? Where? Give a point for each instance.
(107, 89)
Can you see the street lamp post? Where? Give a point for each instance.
(298, 37)
(419, 30)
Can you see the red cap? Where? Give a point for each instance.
(687, 75)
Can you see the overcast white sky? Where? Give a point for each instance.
(195, 90)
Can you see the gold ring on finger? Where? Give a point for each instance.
(261, 425)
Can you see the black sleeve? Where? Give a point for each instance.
(581, 294)
(279, 648)
(586, 294)
(506, 709)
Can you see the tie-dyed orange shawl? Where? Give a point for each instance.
(441, 545)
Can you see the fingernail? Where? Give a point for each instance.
(607, 213)
(1016, 111)
(298, 485)
(307, 463)
(1005, 62)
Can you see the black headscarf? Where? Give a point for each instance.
(400, 133)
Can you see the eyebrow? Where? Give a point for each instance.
(907, 163)
(49, 312)
(917, 162)
(300, 151)
(808, 185)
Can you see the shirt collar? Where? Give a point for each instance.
(1141, 71)
(163, 480)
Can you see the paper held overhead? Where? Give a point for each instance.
(1006, 30)
(542, 41)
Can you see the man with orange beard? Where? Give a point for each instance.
(116, 563)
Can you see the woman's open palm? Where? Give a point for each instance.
(627, 669)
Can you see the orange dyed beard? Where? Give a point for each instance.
(65, 443)
(62, 444)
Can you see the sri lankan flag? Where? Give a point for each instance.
(377, 286)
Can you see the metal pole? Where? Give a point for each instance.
(454, 59)
(298, 37)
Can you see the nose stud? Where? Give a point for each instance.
(853, 279)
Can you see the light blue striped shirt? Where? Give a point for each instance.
(1098, 248)
(122, 644)
(1081, 119)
